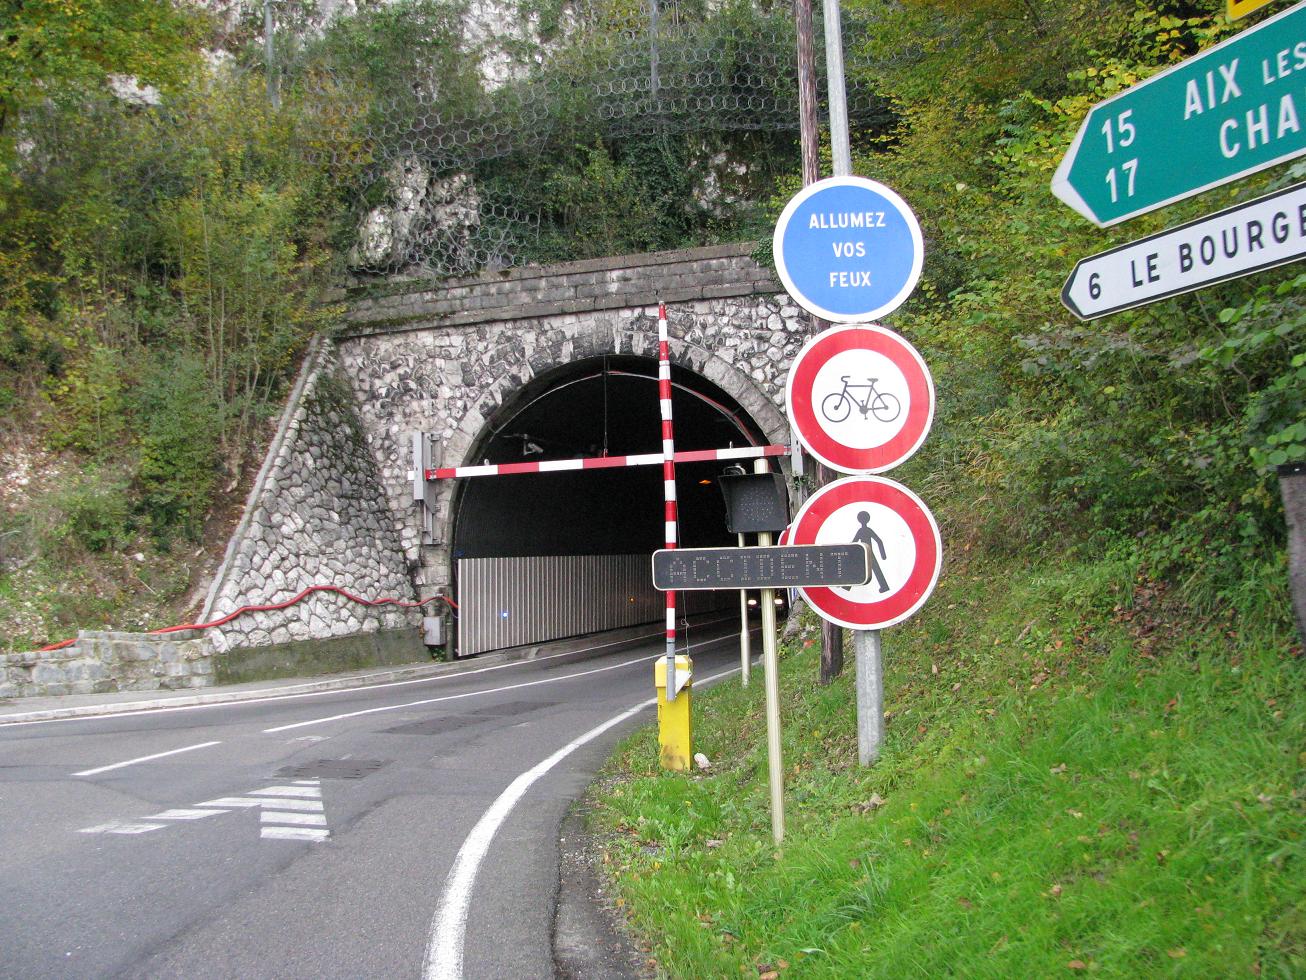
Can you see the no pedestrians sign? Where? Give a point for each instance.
(905, 549)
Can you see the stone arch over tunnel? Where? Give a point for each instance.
(604, 405)
(444, 369)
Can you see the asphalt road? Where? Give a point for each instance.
(406, 830)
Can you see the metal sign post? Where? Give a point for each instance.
(745, 651)
(906, 558)
(869, 681)
(771, 677)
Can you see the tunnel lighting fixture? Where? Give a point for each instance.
(503, 614)
(704, 483)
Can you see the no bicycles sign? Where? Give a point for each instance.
(860, 398)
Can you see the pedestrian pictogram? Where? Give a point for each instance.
(873, 543)
(860, 398)
(901, 535)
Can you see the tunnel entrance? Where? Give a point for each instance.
(531, 550)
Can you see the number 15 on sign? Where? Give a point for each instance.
(1120, 134)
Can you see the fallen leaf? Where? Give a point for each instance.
(1076, 814)
(1055, 891)
(1076, 965)
(1176, 954)
(1059, 769)
(934, 669)
(966, 904)
(713, 842)
(1161, 856)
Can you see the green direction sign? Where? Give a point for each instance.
(1230, 111)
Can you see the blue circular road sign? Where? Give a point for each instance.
(848, 249)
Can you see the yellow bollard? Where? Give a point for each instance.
(673, 715)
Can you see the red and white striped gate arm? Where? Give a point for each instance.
(668, 484)
(604, 462)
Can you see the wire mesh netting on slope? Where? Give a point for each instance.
(585, 130)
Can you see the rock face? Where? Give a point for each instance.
(316, 517)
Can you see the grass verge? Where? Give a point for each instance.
(1076, 778)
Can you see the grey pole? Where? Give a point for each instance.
(843, 163)
(771, 670)
(870, 695)
(745, 651)
(269, 54)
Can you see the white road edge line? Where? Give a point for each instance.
(444, 948)
(159, 710)
(493, 690)
(144, 758)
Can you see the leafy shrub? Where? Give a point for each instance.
(90, 402)
(91, 513)
(177, 411)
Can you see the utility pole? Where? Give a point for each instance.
(809, 137)
(270, 55)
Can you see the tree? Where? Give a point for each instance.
(60, 49)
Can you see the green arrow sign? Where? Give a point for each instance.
(1230, 111)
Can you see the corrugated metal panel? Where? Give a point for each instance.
(507, 602)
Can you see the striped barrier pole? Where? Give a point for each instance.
(600, 462)
(668, 485)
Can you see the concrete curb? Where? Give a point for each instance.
(582, 648)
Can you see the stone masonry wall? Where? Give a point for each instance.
(101, 662)
(445, 360)
(316, 516)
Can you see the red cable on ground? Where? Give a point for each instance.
(274, 606)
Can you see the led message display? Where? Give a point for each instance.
(795, 566)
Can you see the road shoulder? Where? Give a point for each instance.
(590, 941)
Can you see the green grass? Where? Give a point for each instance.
(1074, 779)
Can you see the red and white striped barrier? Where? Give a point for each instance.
(668, 485)
(604, 462)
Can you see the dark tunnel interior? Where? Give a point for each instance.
(596, 407)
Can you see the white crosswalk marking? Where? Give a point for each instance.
(289, 812)
(293, 812)
(295, 819)
(304, 791)
(295, 833)
(122, 827)
(233, 801)
(250, 801)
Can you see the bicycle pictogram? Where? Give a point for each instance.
(838, 405)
